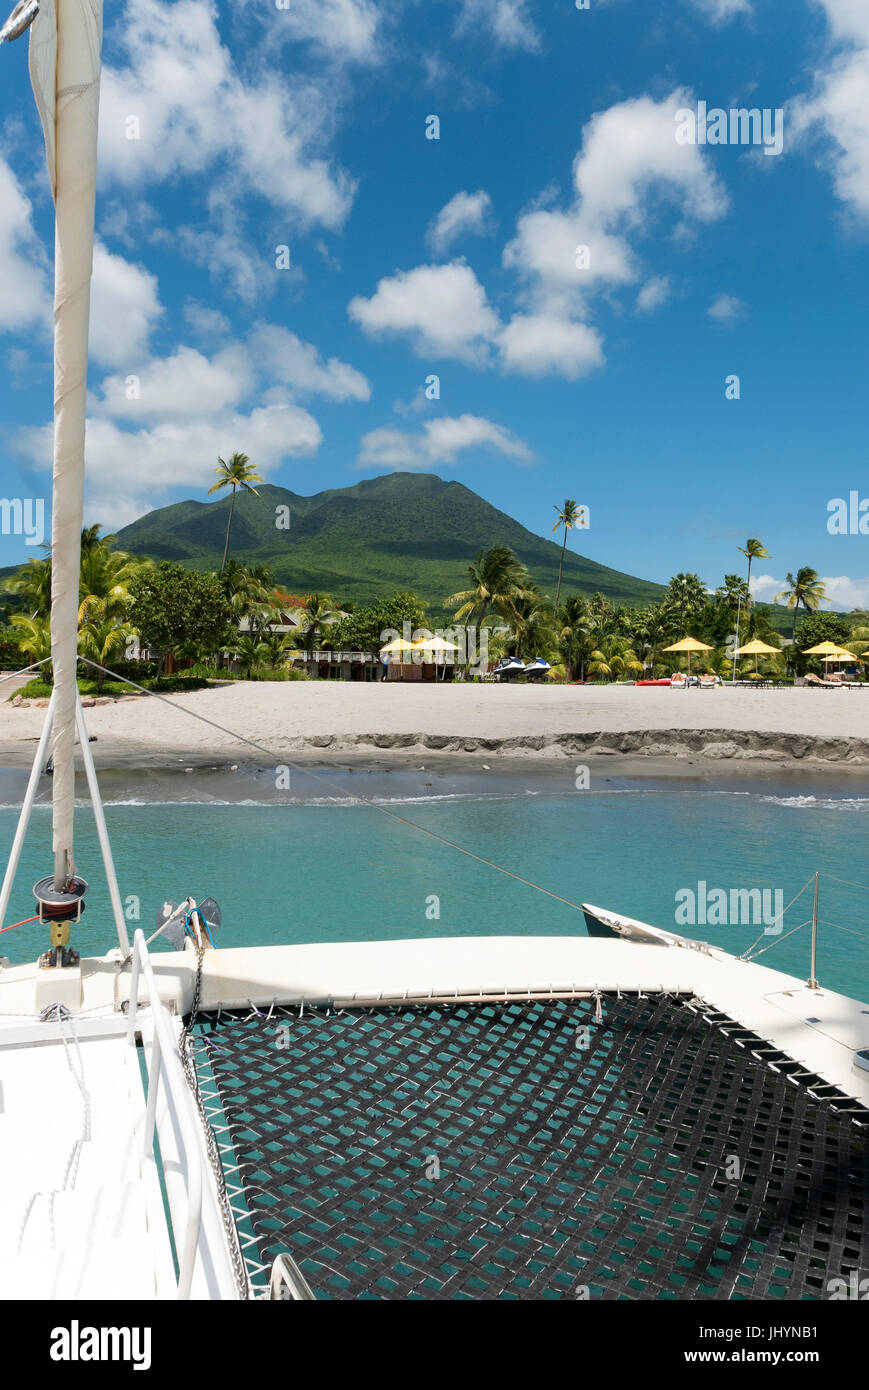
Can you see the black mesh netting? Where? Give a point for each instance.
(518, 1150)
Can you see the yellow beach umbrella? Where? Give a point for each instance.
(823, 649)
(689, 645)
(755, 649)
(434, 646)
(397, 646)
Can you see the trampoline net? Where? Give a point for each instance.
(521, 1150)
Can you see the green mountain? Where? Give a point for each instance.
(402, 530)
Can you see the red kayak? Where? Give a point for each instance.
(661, 682)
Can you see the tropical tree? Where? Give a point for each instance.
(173, 607)
(32, 585)
(320, 611)
(237, 473)
(684, 601)
(498, 582)
(615, 658)
(575, 628)
(568, 516)
(102, 637)
(249, 650)
(33, 636)
(531, 625)
(752, 550)
(278, 647)
(104, 583)
(804, 588)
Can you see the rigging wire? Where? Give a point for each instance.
(746, 955)
(327, 782)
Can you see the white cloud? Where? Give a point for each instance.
(726, 308)
(466, 214)
(132, 472)
(538, 344)
(438, 443)
(720, 11)
(346, 30)
(196, 114)
(443, 308)
(628, 167)
(283, 357)
(653, 294)
(838, 110)
(125, 306)
(185, 386)
(206, 322)
(843, 593)
(25, 298)
(507, 21)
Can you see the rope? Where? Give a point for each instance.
(778, 939)
(22, 923)
(746, 955)
(847, 881)
(363, 800)
(25, 670)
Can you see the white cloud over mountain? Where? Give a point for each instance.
(442, 309)
(438, 443)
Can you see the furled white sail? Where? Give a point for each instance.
(65, 43)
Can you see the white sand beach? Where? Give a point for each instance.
(798, 725)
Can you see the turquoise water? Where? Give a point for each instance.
(341, 872)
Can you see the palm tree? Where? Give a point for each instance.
(235, 474)
(319, 612)
(278, 647)
(752, 550)
(685, 596)
(101, 637)
(806, 589)
(249, 651)
(575, 643)
(568, 516)
(531, 626)
(498, 581)
(614, 658)
(35, 638)
(33, 584)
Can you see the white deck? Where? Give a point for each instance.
(108, 1237)
(772, 1004)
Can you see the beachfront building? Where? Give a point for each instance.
(339, 666)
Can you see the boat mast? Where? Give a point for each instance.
(65, 69)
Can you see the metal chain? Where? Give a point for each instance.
(238, 1265)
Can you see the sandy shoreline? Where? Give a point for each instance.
(775, 727)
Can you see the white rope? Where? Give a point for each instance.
(362, 800)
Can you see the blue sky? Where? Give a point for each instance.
(305, 127)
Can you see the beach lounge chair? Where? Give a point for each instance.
(678, 681)
(816, 683)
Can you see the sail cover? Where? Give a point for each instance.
(65, 43)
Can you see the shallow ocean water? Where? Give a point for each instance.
(312, 866)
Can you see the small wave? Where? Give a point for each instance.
(821, 803)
